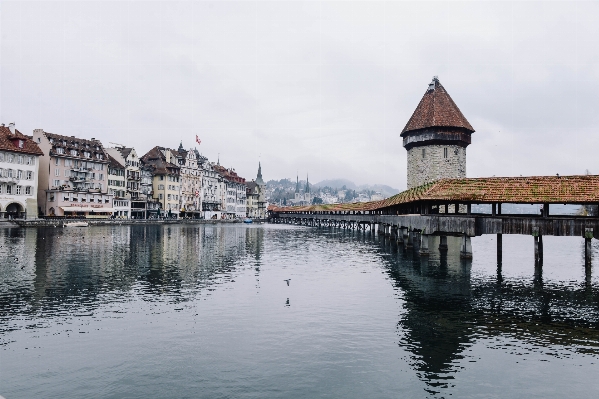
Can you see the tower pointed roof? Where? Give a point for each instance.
(297, 189)
(259, 176)
(436, 109)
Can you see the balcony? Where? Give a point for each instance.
(9, 180)
(82, 170)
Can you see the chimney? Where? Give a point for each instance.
(11, 126)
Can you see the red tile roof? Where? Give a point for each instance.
(10, 142)
(577, 189)
(436, 109)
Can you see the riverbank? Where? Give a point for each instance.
(105, 222)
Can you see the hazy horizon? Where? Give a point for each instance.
(323, 88)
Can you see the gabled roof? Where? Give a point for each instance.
(156, 158)
(8, 142)
(113, 163)
(436, 109)
(125, 151)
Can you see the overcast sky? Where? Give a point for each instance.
(323, 88)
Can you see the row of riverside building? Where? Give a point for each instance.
(48, 175)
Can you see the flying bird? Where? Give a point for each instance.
(287, 281)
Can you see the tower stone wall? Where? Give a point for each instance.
(433, 162)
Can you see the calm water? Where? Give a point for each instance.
(205, 312)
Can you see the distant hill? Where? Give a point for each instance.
(385, 190)
(337, 183)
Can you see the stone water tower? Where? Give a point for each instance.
(436, 137)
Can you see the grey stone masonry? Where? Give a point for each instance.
(433, 162)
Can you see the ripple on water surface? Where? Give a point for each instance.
(281, 311)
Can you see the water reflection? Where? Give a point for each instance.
(444, 305)
(447, 309)
(49, 272)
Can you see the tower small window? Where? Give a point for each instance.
(423, 153)
(444, 152)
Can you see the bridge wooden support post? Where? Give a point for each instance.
(443, 243)
(400, 235)
(540, 249)
(424, 251)
(588, 236)
(466, 248)
(499, 248)
(535, 236)
(410, 243)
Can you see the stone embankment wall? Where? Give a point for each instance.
(433, 165)
(103, 222)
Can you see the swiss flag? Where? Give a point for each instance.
(198, 140)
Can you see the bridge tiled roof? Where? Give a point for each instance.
(578, 189)
(436, 109)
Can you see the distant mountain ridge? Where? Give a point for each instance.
(385, 190)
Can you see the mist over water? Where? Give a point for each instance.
(236, 311)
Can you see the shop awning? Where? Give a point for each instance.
(74, 209)
(82, 209)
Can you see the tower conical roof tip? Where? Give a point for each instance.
(436, 109)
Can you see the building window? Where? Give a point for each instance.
(160, 196)
(28, 190)
(57, 161)
(21, 142)
(444, 152)
(161, 187)
(29, 160)
(19, 190)
(20, 159)
(56, 172)
(60, 150)
(8, 189)
(168, 197)
(423, 152)
(1, 157)
(1, 188)
(11, 158)
(19, 174)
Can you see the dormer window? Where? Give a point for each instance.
(21, 143)
(60, 150)
(74, 153)
(86, 154)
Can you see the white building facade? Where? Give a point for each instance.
(19, 167)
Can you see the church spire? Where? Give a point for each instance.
(259, 176)
(297, 189)
(307, 184)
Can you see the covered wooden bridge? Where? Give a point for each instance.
(468, 207)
